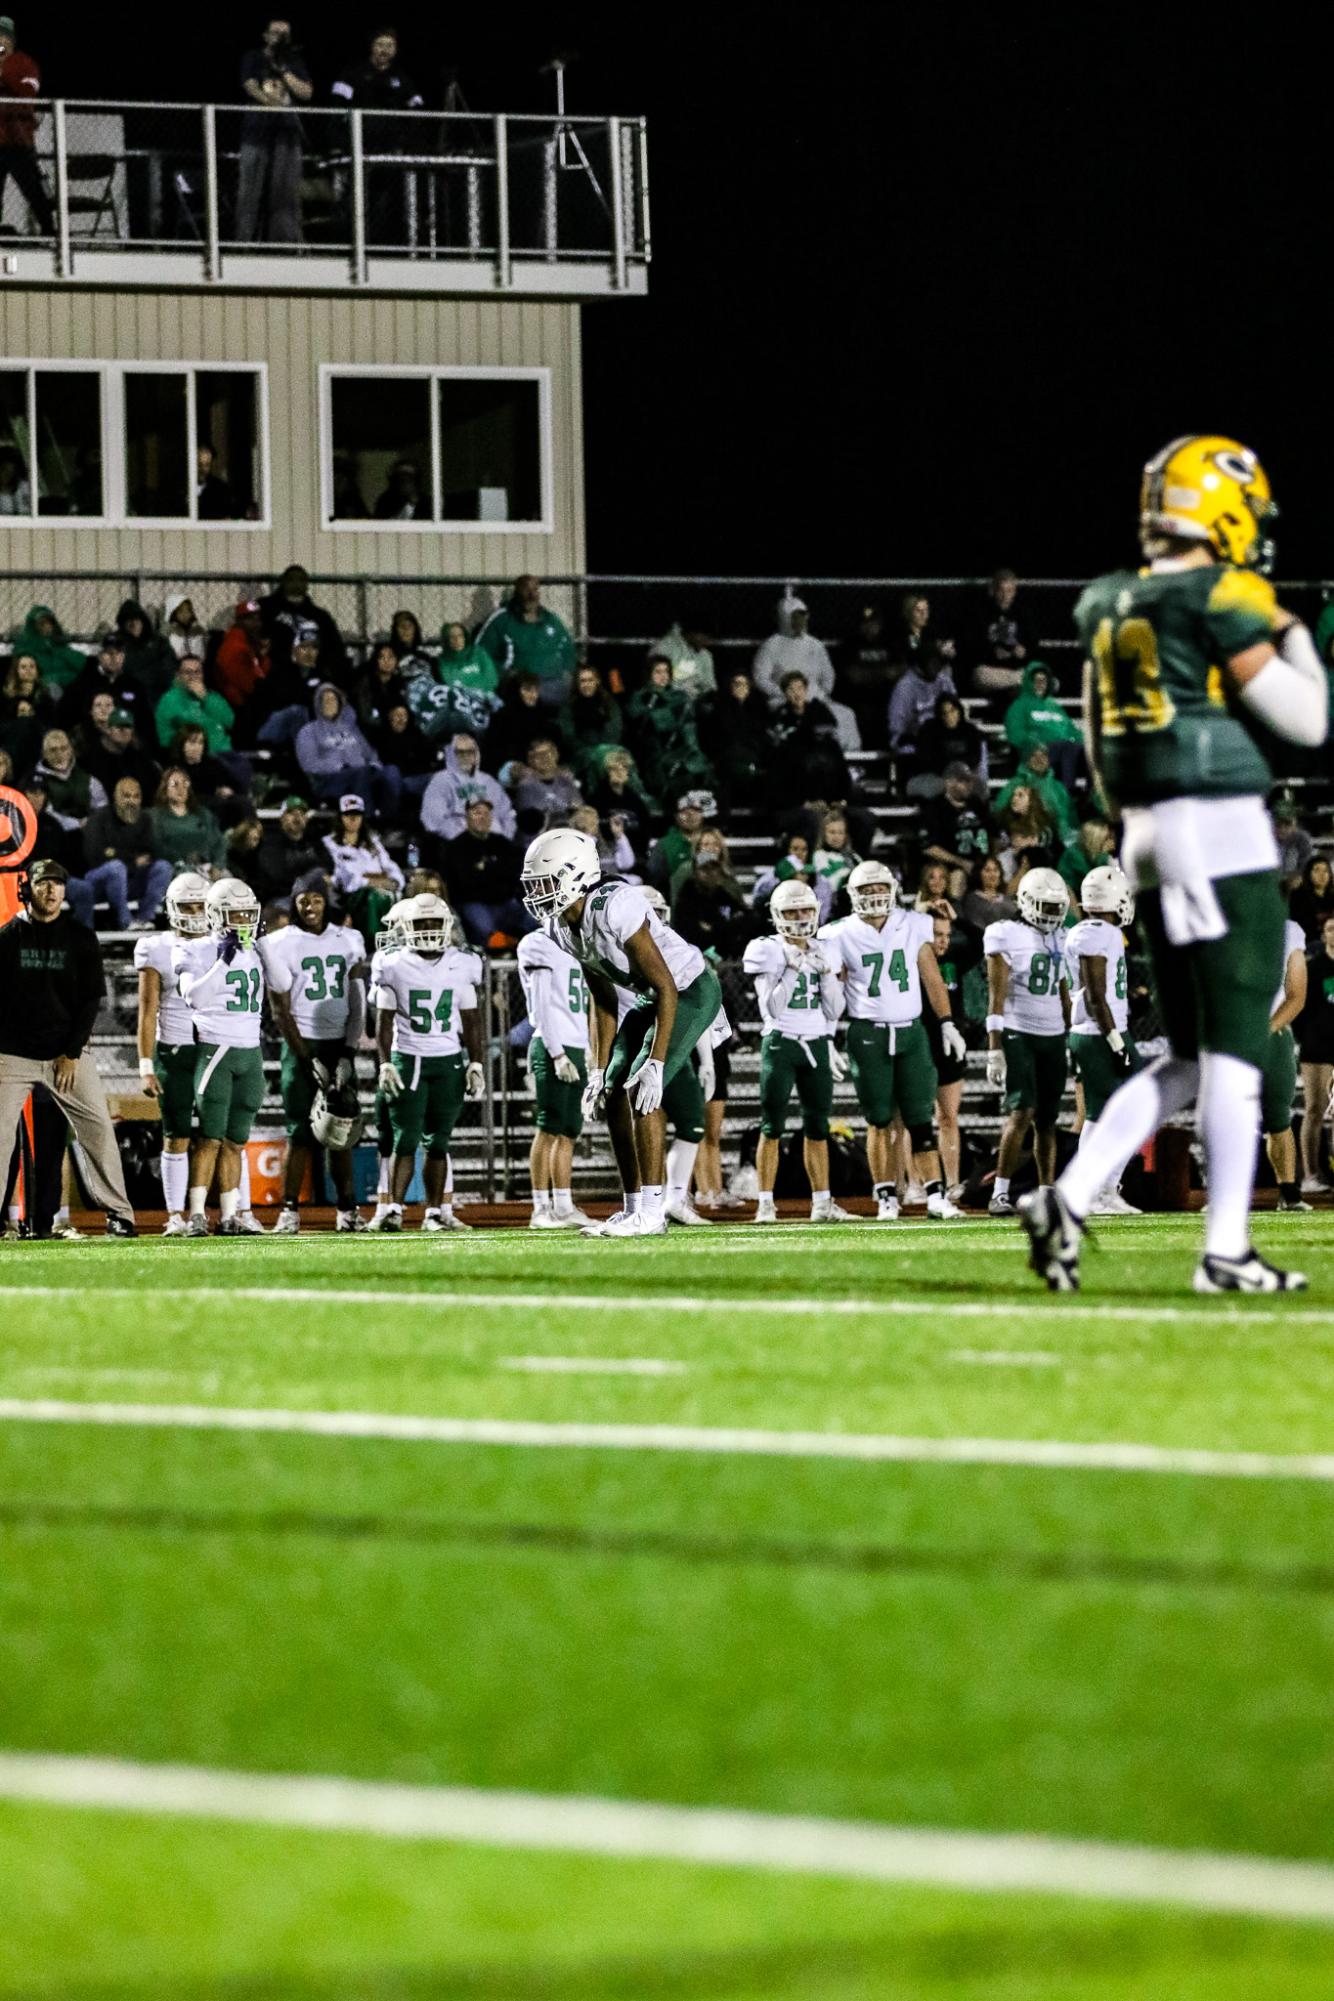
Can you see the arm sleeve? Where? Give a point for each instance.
(1291, 692)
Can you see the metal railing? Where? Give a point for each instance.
(406, 198)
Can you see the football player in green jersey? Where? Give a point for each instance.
(1182, 656)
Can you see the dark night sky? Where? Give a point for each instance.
(927, 289)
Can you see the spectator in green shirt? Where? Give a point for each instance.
(1036, 772)
(1035, 716)
(184, 832)
(1091, 850)
(523, 637)
(43, 636)
(187, 700)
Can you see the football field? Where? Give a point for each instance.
(812, 1613)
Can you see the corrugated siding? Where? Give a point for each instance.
(294, 335)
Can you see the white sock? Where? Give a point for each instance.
(1227, 1115)
(680, 1167)
(819, 1201)
(632, 1203)
(229, 1201)
(382, 1181)
(175, 1181)
(197, 1199)
(1001, 1186)
(1086, 1132)
(766, 1198)
(1131, 1116)
(243, 1187)
(541, 1201)
(651, 1197)
(562, 1201)
(449, 1177)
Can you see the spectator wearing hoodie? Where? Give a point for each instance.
(660, 728)
(949, 738)
(734, 733)
(406, 639)
(189, 701)
(71, 792)
(445, 800)
(181, 628)
(524, 637)
(379, 687)
(242, 661)
(290, 607)
(913, 703)
(114, 752)
(335, 757)
(471, 676)
(43, 636)
(1036, 773)
(120, 857)
(693, 671)
(516, 722)
(793, 648)
(149, 660)
(1035, 716)
(104, 674)
(545, 794)
(590, 720)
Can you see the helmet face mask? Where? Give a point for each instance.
(795, 912)
(335, 1118)
(392, 935)
(560, 866)
(873, 890)
(1213, 491)
(1043, 899)
(426, 920)
(231, 905)
(187, 899)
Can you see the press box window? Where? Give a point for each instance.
(490, 449)
(457, 448)
(50, 442)
(382, 448)
(192, 445)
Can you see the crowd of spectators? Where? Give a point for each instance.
(279, 744)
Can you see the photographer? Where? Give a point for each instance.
(268, 203)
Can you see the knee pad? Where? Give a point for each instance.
(922, 1138)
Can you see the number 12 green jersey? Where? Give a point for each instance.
(1159, 640)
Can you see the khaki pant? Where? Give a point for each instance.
(85, 1106)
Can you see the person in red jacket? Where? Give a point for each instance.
(20, 83)
(243, 655)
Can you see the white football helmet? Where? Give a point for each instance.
(232, 905)
(187, 895)
(391, 936)
(656, 901)
(1043, 899)
(873, 890)
(335, 1117)
(1106, 892)
(560, 866)
(795, 911)
(426, 924)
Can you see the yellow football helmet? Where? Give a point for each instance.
(1209, 489)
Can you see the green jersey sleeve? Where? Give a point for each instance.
(1240, 611)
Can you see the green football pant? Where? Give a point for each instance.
(893, 1072)
(1219, 994)
(1034, 1074)
(426, 1110)
(1278, 1082)
(229, 1090)
(1098, 1070)
(788, 1064)
(696, 1007)
(559, 1106)
(299, 1086)
(174, 1066)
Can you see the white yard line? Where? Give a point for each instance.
(589, 1365)
(723, 1441)
(447, 1298)
(1007, 1358)
(1254, 1885)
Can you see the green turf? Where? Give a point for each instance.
(1110, 1656)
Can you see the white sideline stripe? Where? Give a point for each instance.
(589, 1365)
(1254, 1885)
(940, 1309)
(1006, 1358)
(869, 1447)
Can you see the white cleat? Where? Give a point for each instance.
(887, 1209)
(572, 1219)
(914, 1195)
(380, 1219)
(687, 1215)
(288, 1224)
(941, 1209)
(1001, 1205)
(350, 1222)
(1313, 1185)
(622, 1224)
(249, 1225)
(1297, 1208)
(1249, 1274)
(833, 1214)
(196, 1226)
(433, 1226)
(456, 1224)
(176, 1226)
(765, 1215)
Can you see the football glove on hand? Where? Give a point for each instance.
(646, 1091)
(474, 1084)
(346, 1073)
(838, 1064)
(794, 952)
(708, 1071)
(952, 1042)
(566, 1069)
(390, 1081)
(594, 1101)
(320, 1069)
(1121, 1055)
(996, 1068)
(228, 946)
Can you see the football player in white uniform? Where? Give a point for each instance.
(1028, 998)
(1100, 1045)
(801, 998)
(557, 1002)
(221, 979)
(1278, 1076)
(624, 946)
(167, 1039)
(426, 1000)
(316, 973)
(885, 958)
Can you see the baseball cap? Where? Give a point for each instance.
(247, 604)
(7, 26)
(45, 871)
(703, 802)
(120, 719)
(352, 802)
(958, 769)
(113, 641)
(294, 802)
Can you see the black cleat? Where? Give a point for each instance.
(1053, 1232)
(1248, 1274)
(122, 1226)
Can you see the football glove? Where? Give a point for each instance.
(566, 1069)
(1121, 1055)
(646, 1091)
(345, 1075)
(474, 1084)
(594, 1101)
(390, 1081)
(952, 1042)
(320, 1070)
(708, 1070)
(228, 946)
(838, 1064)
(794, 952)
(996, 1068)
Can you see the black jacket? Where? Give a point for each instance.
(51, 987)
(277, 862)
(480, 870)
